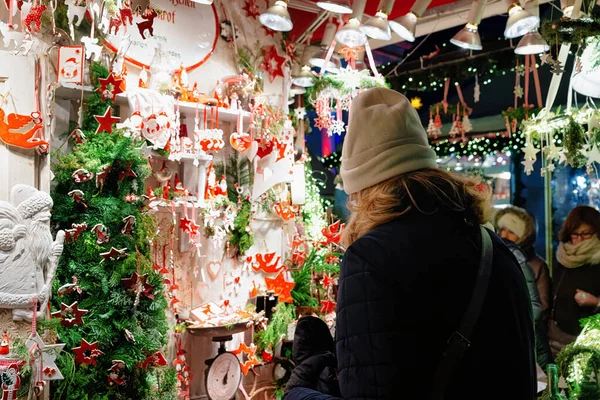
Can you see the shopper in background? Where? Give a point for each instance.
(542, 346)
(413, 253)
(576, 276)
(507, 224)
(519, 226)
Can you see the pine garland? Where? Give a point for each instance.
(111, 308)
(573, 31)
(241, 237)
(579, 362)
(284, 315)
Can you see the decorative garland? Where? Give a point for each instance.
(573, 31)
(433, 78)
(579, 362)
(571, 127)
(345, 83)
(241, 237)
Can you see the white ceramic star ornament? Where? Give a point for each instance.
(552, 151)
(528, 164)
(593, 155)
(530, 151)
(50, 371)
(300, 112)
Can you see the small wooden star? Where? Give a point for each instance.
(114, 254)
(268, 31)
(110, 87)
(251, 357)
(251, 9)
(70, 315)
(281, 287)
(87, 353)
(327, 306)
(106, 121)
(138, 284)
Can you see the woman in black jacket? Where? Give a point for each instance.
(576, 276)
(408, 274)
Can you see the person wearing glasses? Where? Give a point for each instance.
(576, 276)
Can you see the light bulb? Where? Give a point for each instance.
(351, 35)
(277, 17)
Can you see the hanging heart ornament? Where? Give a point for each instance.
(240, 141)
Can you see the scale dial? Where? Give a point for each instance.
(223, 377)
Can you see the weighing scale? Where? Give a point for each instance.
(224, 373)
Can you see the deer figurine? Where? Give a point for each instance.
(11, 36)
(149, 15)
(115, 24)
(75, 10)
(126, 14)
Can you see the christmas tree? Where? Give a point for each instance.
(108, 305)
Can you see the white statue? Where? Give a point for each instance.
(28, 255)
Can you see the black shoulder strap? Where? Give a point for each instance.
(459, 342)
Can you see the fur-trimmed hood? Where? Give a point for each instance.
(528, 239)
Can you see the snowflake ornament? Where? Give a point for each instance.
(337, 127)
(323, 121)
(518, 91)
(300, 112)
(345, 102)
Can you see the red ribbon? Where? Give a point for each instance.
(527, 65)
(462, 100)
(536, 81)
(445, 100)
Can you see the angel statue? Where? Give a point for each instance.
(28, 255)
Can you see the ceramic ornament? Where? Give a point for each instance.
(70, 64)
(33, 20)
(10, 382)
(93, 51)
(28, 254)
(48, 353)
(86, 353)
(71, 235)
(25, 47)
(12, 124)
(11, 36)
(70, 315)
(75, 10)
(116, 373)
(106, 121)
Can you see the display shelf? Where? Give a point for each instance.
(70, 91)
(184, 157)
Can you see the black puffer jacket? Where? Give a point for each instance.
(542, 346)
(313, 354)
(404, 287)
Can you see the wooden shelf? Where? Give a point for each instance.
(70, 91)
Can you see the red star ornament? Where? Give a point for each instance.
(114, 254)
(281, 287)
(87, 353)
(272, 63)
(251, 9)
(251, 357)
(327, 306)
(70, 315)
(268, 31)
(110, 87)
(327, 281)
(157, 359)
(106, 121)
(138, 283)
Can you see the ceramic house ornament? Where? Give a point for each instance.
(28, 255)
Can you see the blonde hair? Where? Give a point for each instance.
(426, 191)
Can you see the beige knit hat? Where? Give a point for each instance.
(385, 138)
(513, 223)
